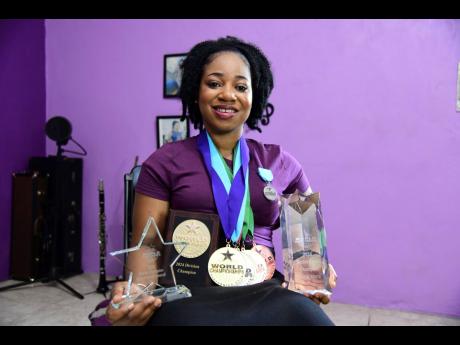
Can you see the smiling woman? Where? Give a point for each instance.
(225, 85)
(225, 97)
(254, 62)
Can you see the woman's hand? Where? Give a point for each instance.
(318, 297)
(138, 313)
(130, 314)
(332, 277)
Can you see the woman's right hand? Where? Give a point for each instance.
(130, 314)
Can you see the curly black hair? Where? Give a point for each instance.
(261, 75)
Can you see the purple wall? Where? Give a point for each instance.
(367, 107)
(22, 111)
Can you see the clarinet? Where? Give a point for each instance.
(102, 287)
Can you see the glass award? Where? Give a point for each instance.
(143, 267)
(306, 265)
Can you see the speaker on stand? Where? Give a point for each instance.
(61, 218)
(64, 209)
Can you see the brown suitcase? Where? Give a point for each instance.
(29, 247)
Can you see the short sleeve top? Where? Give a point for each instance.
(176, 173)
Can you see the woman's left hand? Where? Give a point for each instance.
(318, 297)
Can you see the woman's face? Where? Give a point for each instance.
(225, 96)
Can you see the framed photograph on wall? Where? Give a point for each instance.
(172, 74)
(170, 129)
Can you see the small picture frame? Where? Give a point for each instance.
(170, 129)
(172, 75)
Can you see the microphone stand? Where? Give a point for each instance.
(54, 212)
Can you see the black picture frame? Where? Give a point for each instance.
(165, 124)
(172, 74)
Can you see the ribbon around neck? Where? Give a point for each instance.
(230, 189)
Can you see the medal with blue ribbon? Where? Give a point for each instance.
(267, 176)
(227, 266)
(230, 189)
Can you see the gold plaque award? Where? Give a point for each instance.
(196, 234)
(201, 233)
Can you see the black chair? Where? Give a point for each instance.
(130, 181)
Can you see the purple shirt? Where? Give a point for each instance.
(176, 173)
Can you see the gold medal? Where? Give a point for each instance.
(227, 266)
(258, 267)
(196, 234)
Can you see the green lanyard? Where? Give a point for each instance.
(248, 222)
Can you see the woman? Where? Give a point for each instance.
(225, 85)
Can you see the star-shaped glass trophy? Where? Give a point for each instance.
(144, 266)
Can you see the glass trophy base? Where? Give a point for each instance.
(322, 291)
(310, 292)
(172, 293)
(165, 294)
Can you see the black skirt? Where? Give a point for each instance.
(264, 304)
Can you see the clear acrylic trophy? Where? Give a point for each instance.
(144, 266)
(306, 266)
